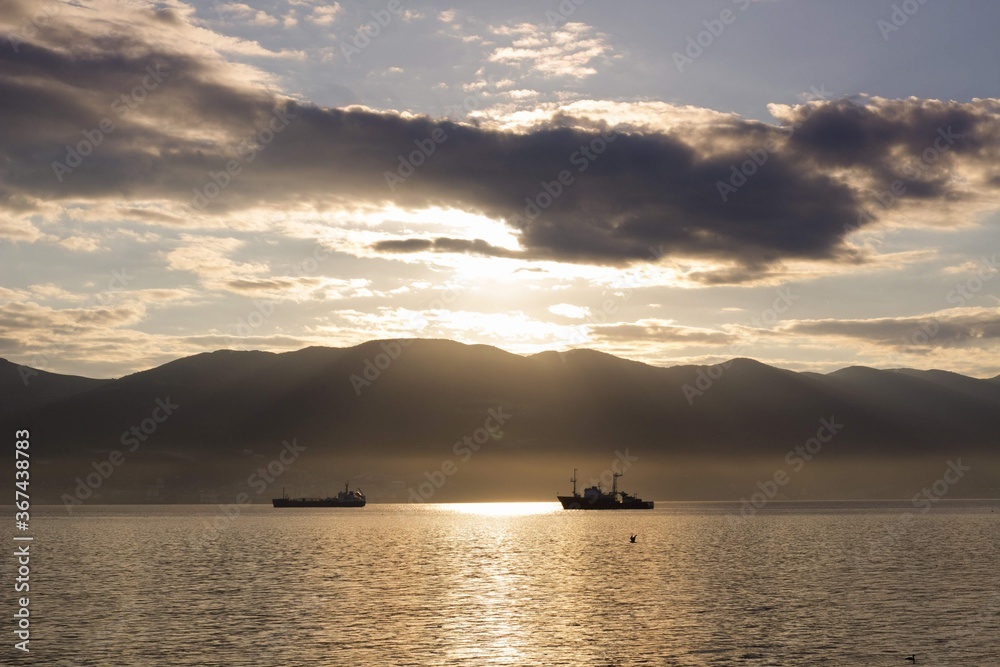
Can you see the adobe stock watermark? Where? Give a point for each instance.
(409, 163)
(967, 290)
(263, 309)
(964, 291)
(565, 9)
(983, 621)
(706, 377)
(371, 30)
(924, 501)
(133, 439)
(550, 191)
(464, 449)
(796, 460)
(941, 144)
(247, 152)
(625, 289)
(30, 25)
(899, 17)
(258, 482)
(40, 361)
(472, 101)
(697, 44)
(929, 495)
(122, 106)
(622, 462)
(602, 315)
(740, 174)
(373, 367)
(923, 333)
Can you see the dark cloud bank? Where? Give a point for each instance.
(741, 192)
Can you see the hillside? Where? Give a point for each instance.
(387, 413)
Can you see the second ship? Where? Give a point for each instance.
(345, 498)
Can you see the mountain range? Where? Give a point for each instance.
(436, 420)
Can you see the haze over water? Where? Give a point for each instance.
(517, 584)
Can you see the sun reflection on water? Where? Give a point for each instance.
(499, 509)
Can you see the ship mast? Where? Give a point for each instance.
(574, 482)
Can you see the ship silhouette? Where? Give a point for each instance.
(595, 498)
(345, 498)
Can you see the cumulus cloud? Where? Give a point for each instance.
(242, 12)
(326, 14)
(567, 51)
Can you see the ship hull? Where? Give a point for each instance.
(315, 502)
(581, 503)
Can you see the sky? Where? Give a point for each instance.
(811, 184)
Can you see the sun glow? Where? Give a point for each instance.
(450, 222)
(499, 509)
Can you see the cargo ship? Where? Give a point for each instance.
(595, 498)
(345, 498)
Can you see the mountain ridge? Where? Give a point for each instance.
(537, 355)
(387, 411)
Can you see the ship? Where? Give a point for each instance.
(595, 498)
(345, 498)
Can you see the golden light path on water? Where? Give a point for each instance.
(499, 509)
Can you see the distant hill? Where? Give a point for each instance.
(23, 388)
(388, 414)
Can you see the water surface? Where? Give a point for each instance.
(515, 584)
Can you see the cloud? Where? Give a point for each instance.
(444, 244)
(570, 311)
(269, 284)
(663, 331)
(245, 13)
(325, 15)
(957, 327)
(567, 51)
(101, 342)
(21, 230)
(18, 317)
(81, 243)
(514, 329)
(646, 117)
(521, 94)
(211, 258)
(569, 188)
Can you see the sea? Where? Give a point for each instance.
(829, 583)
